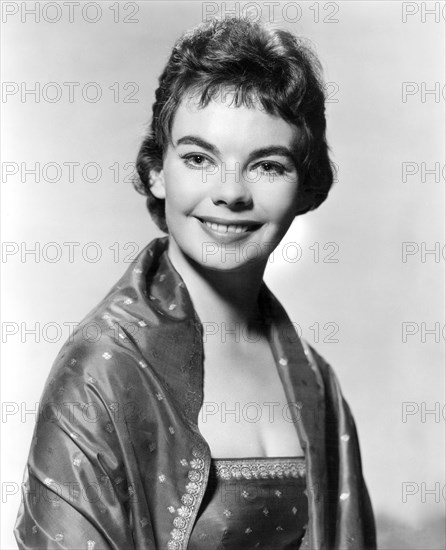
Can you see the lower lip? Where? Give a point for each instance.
(229, 236)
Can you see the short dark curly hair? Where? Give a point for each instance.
(271, 66)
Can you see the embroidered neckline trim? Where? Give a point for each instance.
(258, 468)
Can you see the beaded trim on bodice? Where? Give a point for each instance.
(259, 467)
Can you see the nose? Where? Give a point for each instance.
(231, 189)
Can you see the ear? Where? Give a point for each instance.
(157, 186)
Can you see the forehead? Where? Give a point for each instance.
(222, 123)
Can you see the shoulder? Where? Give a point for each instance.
(99, 389)
(127, 346)
(319, 365)
(105, 359)
(324, 372)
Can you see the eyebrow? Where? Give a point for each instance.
(262, 152)
(195, 140)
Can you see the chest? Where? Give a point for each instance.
(245, 410)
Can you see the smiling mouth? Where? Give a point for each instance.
(230, 228)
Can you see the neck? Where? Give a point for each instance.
(218, 296)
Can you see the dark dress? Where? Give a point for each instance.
(117, 460)
(253, 503)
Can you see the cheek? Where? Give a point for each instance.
(280, 203)
(175, 183)
(182, 191)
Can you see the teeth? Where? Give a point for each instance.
(220, 228)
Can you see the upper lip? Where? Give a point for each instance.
(222, 221)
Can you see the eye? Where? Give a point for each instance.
(270, 168)
(196, 161)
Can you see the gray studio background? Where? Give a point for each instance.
(381, 132)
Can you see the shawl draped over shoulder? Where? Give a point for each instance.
(117, 460)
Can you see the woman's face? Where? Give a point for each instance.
(230, 183)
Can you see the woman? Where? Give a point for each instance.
(140, 442)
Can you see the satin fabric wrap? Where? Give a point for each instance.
(117, 460)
